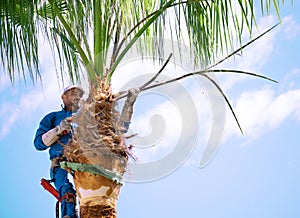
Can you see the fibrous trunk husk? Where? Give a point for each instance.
(98, 140)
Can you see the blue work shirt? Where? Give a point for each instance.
(49, 122)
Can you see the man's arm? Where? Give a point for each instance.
(52, 135)
(44, 126)
(47, 134)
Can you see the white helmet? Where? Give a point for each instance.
(73, 87)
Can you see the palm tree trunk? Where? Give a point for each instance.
(99, 151)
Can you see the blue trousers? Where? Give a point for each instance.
(63, 185)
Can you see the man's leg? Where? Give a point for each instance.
(66, 191)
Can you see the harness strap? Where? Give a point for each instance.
(94, 169)
(70, 197)
(55, 162)
(57, 209)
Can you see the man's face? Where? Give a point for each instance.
(71, 99)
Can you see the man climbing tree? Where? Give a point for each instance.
(55, 131)
(80, 34)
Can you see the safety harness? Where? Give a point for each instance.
(69, 197)
(94, 169)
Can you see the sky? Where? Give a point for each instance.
(254, 174)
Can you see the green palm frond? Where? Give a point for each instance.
(207, 24)
(205, 73)
(81, 31)
(18, 39)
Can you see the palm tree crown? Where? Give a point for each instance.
(80, 32)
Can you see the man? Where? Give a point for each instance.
(55, 131)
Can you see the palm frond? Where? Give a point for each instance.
(236, 72)
(18, 39)
(205, 73)
(225, 98)
(69, 25)
(207, 24)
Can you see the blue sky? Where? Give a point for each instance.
(252, 175)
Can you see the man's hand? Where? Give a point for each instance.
(64, 126)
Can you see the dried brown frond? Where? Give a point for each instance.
(99, 138)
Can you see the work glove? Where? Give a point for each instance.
(65, 126)
(53, 135)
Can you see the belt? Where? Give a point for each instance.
(56, 162)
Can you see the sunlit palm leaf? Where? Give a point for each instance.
(18, 39)
(68, 25)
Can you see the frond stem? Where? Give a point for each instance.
(81, 52)
(242, 47)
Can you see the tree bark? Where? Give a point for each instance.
(98, 141)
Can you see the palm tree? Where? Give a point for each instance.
(81, 33)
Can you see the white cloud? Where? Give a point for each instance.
(4, 82)
(256, 56)
(9, 120)
(290, 81)
(253, 57)
(262, 110)
(42, 97)
(31, 100)
(291, 27)
(266, 108)
(179, 108)
(159, 127)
